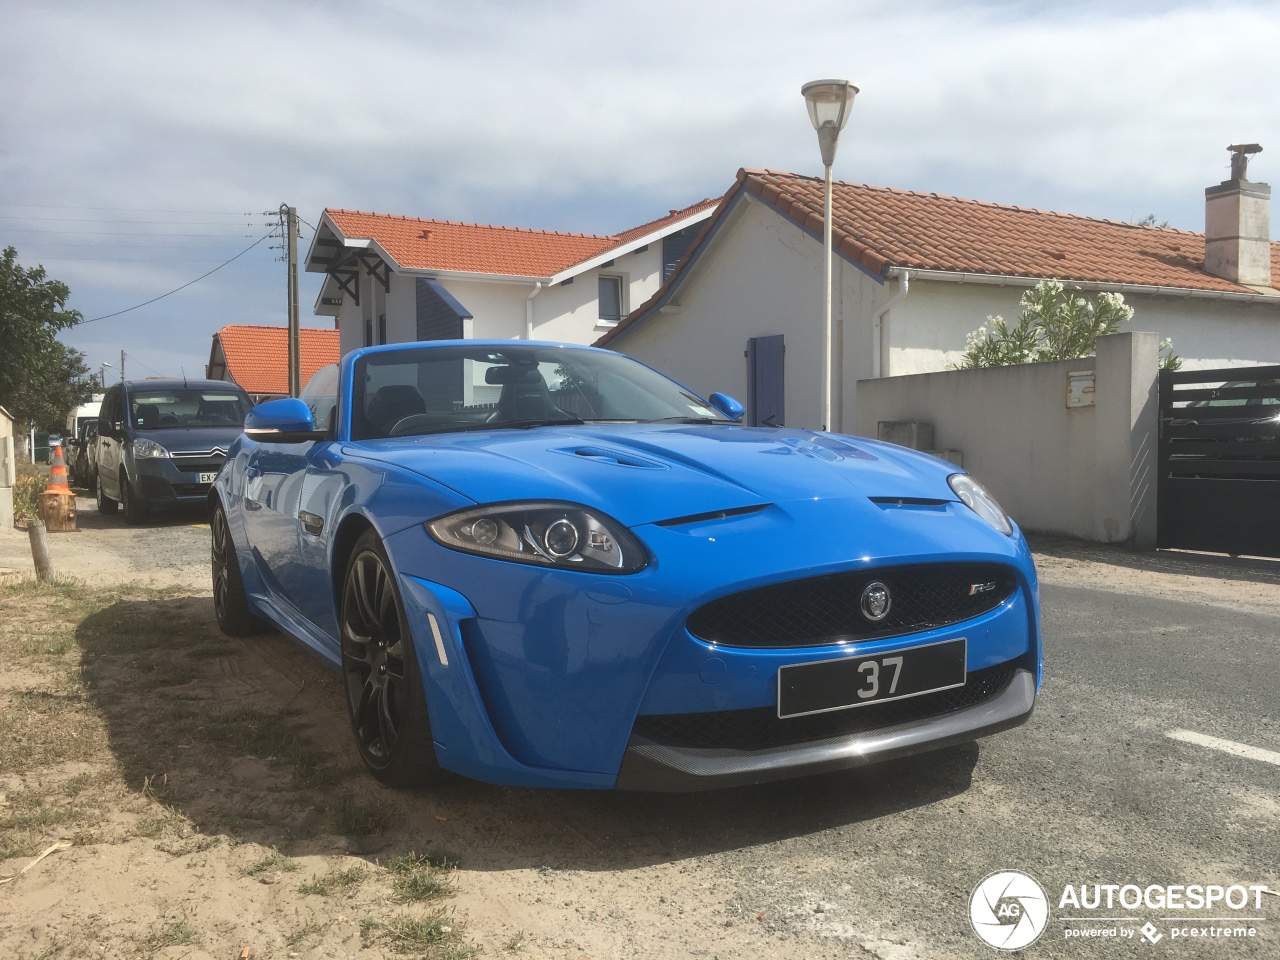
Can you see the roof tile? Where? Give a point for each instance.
(475, 248)
(258, 356)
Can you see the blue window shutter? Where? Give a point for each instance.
(675, 246)
(766, 406)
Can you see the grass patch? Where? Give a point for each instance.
(275, 860)
(436, 934)
(417, 879)
(176, 933)
(515, 943)
(352, 816)
(306, 931)
(335, 881)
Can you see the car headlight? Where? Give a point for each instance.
(146, 449)
(975, 496)
(547, 534)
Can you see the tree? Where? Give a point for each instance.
(1055, 324)
(41, 378)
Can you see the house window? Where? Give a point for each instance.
(610, 299)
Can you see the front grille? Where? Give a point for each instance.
(761, 728)
(199, 465)
(826, 610)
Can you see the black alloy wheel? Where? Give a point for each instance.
(230, 606)
(385, 698)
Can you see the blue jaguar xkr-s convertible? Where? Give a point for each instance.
(546, 565)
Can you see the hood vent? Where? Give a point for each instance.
(713, 515)
(617, 458)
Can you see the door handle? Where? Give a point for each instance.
(252, 472)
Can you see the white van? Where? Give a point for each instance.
(78, 415)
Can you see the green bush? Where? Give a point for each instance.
(25, 493)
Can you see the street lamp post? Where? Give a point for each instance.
(829, 103)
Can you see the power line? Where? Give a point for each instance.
(113, 245)
(184, 286)
(121, 233)
(201, 223)
(143, 260)
(63, 206)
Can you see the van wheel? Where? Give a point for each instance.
(105, 504)
(135, 511)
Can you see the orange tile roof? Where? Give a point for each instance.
(475, 248)
(880, 228)
(258, 356)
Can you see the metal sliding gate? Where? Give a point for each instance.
(1218, 487)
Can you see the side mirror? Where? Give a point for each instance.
(282, 421)
(730, 407)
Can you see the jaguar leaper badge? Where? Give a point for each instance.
(876, 601)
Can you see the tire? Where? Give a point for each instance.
(230, 605)
(385, 699)
(91, 484)
(135, 511)
(105, 504)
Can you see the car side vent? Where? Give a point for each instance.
(714, 515)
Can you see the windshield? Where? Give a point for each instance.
(320, 394)
(162, 409)
(442, 389)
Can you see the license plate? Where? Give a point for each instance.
(208, 477)
(843, 684)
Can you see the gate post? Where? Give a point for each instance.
(1126, 422)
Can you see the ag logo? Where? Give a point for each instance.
(1008, 910)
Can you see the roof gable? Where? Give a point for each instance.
(257, 357)
(447, 246)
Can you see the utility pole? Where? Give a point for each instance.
(295, 337)
(122, 366)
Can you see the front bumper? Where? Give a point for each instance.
(669, 768)
(161, 481)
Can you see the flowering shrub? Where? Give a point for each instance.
(1055, 324)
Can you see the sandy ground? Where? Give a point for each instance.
(541, 875)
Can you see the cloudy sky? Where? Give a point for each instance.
(141, 143)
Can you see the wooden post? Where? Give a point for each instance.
(40, 550)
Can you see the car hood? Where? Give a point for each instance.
(643, 473)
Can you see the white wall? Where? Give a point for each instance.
(1084, 471)
(927, 328)
(761, 277)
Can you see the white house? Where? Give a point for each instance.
(915, 273)
(393, 279)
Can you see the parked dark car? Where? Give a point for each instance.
(161, 442)
(78, 454)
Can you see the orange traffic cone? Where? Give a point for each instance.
(56, 506)
(57, 472)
